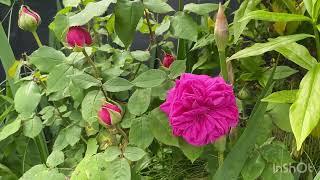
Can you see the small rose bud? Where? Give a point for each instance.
(28, 19)
(78, 37)
(110, 114)
(221, 29)
(168, 60)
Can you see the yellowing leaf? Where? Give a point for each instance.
(13, 69)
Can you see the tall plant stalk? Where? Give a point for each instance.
(317, 39)
(181, 50)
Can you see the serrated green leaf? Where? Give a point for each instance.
(27, 98)
(10, 129)
(183, 27)
(91, 104)
(177, 68)
(139, 101)
(55, 158)
(32, 127)
(40, 172)
(111, 153)
(161, 129)
(59, 78)
(141, 55)
(120, 169)
(150, 78)
(134, 153)
(253, 167)
(91, 10)
(85, 81)
(157, 6)
(117, 84)
(190, 151)
(201, 9)
(140, 133)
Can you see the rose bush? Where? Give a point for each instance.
(207, 99)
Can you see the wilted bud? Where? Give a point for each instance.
(78, 37)
(28, 19)
(221, 29)
(106, 139)
(168, 60)
(110, 114)
(243, 94)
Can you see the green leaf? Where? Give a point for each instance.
(59, 78)
(92, 147)
(139, 101)
(245, 7)
(177, 68)
(125, 27)
(134, 153)
(159, 125)
(91, 10)
(190, 151)
(140, 133)
(46, 58)
(276, 153)
(285, 96)
(308, 5)
(157, 6)
(32, 127)
(67, 136)
(60, 26)
(92, 167)
(204, 41)
(71, 3)
(91, 104)
(239, 153)
(281, 72)
(305, 111)
(141, 55)
(111, 153)
(55, 158)
(315, 10)
(85, 81)
(5, 172)
(274, 16)
(27, 98)
(7, 57)
(120, 169)
(40, 172)
(201, 9)
(10, 129)
(253, 167)
(260, 48)
(297, 54)
(150, 78)
(163, 27)
(279, 114)
(117, 84)
(183, 27)
(5, 2)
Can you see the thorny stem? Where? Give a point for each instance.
(152, 36)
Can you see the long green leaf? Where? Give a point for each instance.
(260, 48)
(238, 155)
(6, 56)
(305, 111)
(274, 17)
(297, 54)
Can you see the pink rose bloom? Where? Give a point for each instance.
(78, 36)
(168, 60)
(201, 108)
(109, 114)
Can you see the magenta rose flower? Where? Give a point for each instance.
(28, 19)
(168, 60)
(78, 36)
(201, 108)
(109, 114)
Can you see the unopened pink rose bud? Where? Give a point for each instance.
(221, 29)
(168, 60)
(110, 114)
(28, 19)
(78, 36)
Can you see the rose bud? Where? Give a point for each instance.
(28, 20)
(221, 29)
(168, 60)
(110, 114)
(78, 37)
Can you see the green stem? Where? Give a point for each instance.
(36, 37)
(317, 39)
(223, 65)
(42, 147)
(181, 52)
(220, 158)
(90, 61)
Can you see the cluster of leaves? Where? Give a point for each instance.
(50, 128)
